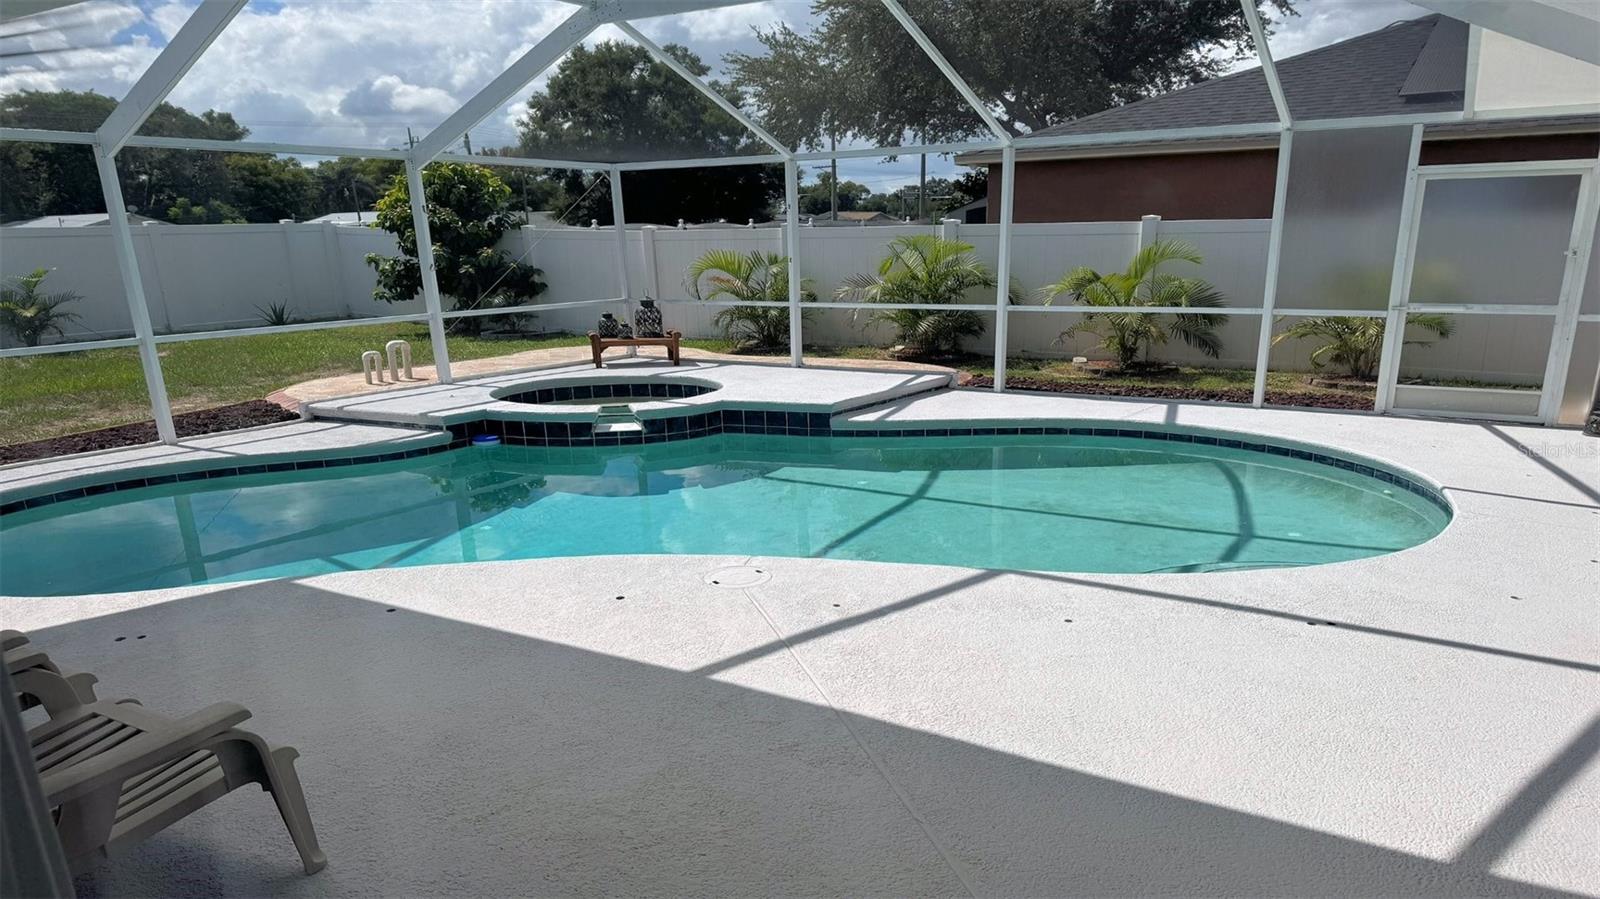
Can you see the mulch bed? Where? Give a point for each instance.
(189, 424)
(1226, 395)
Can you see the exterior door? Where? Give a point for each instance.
(1490, 290)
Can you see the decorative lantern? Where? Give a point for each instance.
(648, 319)
(608, 325)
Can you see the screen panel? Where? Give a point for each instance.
(1342, 218)
(1583, 372)
(1494, 240)
(66, 68)
(45, 397)
(358, 73)
(1324, 361)
(610, 100)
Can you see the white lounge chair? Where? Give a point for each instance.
(117, 772)
(28, 666)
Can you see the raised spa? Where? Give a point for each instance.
(580, 392)
(1098, 502)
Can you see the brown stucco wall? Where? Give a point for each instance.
(1229, 185)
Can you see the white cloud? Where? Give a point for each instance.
(731, 23)
(77, 46)
(1324, 23)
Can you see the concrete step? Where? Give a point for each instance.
(618, 427)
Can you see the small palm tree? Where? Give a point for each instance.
(1357, 343)
(923, 268)
(1127, 335)
(755, 276)
(30, 315)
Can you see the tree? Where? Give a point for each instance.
(923, 268)
(756, 276)
(1357, 343)
(819, 197)
(614, 102)
(60, 179)
(186, 212)
(467, 216)
(1035, 64)
(532, 190)
(1128, 334)
(269, 188)
(974, 183)
(350, 183)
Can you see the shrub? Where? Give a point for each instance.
(467, 215)
(1357, 343)
(756, 276)
(923, 268)
(30, 315)
(1128, 335)
(276, 314)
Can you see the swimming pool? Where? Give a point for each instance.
(1047, 502)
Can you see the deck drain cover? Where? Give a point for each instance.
(737, 576)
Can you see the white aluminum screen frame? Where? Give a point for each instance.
(214, 15)
(1564, 315)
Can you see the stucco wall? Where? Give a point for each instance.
(1234, 184)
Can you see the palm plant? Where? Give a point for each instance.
(1357, 343)
(756, 276)
(31, 315)
(1127, 335)
(923, 268)
(276, 314)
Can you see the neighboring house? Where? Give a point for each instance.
(81, 220)
(369, 218)
(356, 217)
(853, 217)
(974, 213)
(1409, 67)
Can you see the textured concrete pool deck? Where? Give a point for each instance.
(775, 386)
(1421, 723)
(347, 385)
(253, 446)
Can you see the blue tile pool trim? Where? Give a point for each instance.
(206, 474)
(771, 422)
(654, 390)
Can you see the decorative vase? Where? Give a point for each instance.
(608, 325)
(648, 319)
(623, 331)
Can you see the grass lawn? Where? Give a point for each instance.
(47, 396)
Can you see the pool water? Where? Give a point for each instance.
(1023, 502)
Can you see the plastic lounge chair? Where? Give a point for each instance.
(117, 773)
(28, 666)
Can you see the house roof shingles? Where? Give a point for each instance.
(1409, 67)
(1317, 84)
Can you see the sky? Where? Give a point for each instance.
(361, 72)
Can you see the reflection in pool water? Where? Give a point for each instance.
(1050, 503)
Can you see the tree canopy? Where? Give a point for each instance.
(1035, 64)
(613, 102)
(180, 186)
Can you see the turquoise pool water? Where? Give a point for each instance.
(1031, 502)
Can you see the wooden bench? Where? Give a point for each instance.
(671, 341)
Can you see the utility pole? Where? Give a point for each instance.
(922, 187)
(833, 199)
(466, 141)
(410, 140)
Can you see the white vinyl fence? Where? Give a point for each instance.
(218, 277)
